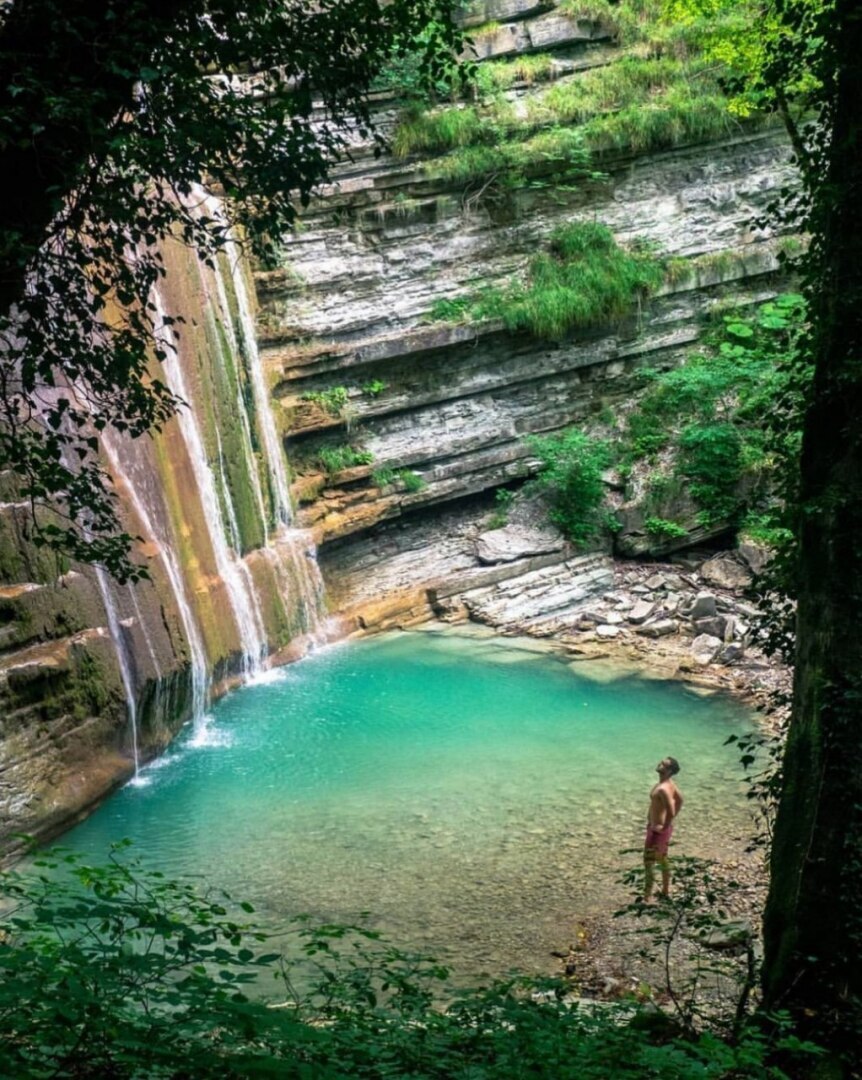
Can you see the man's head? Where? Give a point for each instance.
(667, 767)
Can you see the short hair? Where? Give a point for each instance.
(673, 765)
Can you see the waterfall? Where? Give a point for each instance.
(124, 660)
(232, 571)
(133, 492)
(290, 551)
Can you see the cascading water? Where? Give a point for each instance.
(290, 551)
(124, 661)
(134, 492)
(231, 569)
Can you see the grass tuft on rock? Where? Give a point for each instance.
(584, 279)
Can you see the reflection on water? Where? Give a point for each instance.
(472, 795)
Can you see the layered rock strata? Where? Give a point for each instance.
(431, 416)
(96, 678)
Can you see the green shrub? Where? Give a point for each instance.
(411, 481)
(334, 459)
(374, 387)
(117, 971)
(496, 75)
(665, 529)
(332, 400)
(384, 477)
(571, 475)
(720, 414)
(406, 479)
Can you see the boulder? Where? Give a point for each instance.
(516, 542)
(732, 653)
(716, 626)
(640, 612)
(705, 648)
(726, 572)
(613, 618)
(703, 606)
(732, 934)
(659, 628)
(606, 631)
(656, 581)
(754, 555)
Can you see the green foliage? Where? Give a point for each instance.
(629, 21)
(332, 400)
(497, 75)
(571, 475)
(445, 309)
(557, 152)
(408, 73)
(335, 459)
(717, 413)
(767, 50)
(117, 971)
(374, 387)
(406, 479)
(411, 481)
(710, 456)
(640, 102)
(584, 279)
(664, 529)
(103, 149)
(503, 498)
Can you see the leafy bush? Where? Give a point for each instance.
(710, 456)
(725, 413)
(374, 387)
(116, 971)
(665, 529)
(384, 477)
(334, 459)
(332, 400)
(411, 481)
(571, 474)
(407, 480)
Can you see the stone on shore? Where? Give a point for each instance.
(705, 648)
(703, 606)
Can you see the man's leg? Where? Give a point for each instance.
(649, 873)
(664, 863)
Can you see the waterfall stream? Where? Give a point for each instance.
(124, 661)
(197, 532)
(232, 571)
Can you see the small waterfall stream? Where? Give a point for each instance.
(205, 549)
(124, 661)
(231, 569)
(134, 492)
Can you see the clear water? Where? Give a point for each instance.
(472, 795)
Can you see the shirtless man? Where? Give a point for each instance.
(665, 802)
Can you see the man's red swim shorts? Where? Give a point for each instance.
(658, 840)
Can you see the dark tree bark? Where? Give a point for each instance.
(813, 923)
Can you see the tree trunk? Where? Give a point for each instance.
(813, 922)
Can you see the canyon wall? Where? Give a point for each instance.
(95, 677)
(434, 412)
(401, 417)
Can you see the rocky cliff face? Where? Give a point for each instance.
(95, 678)
(400, 425)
